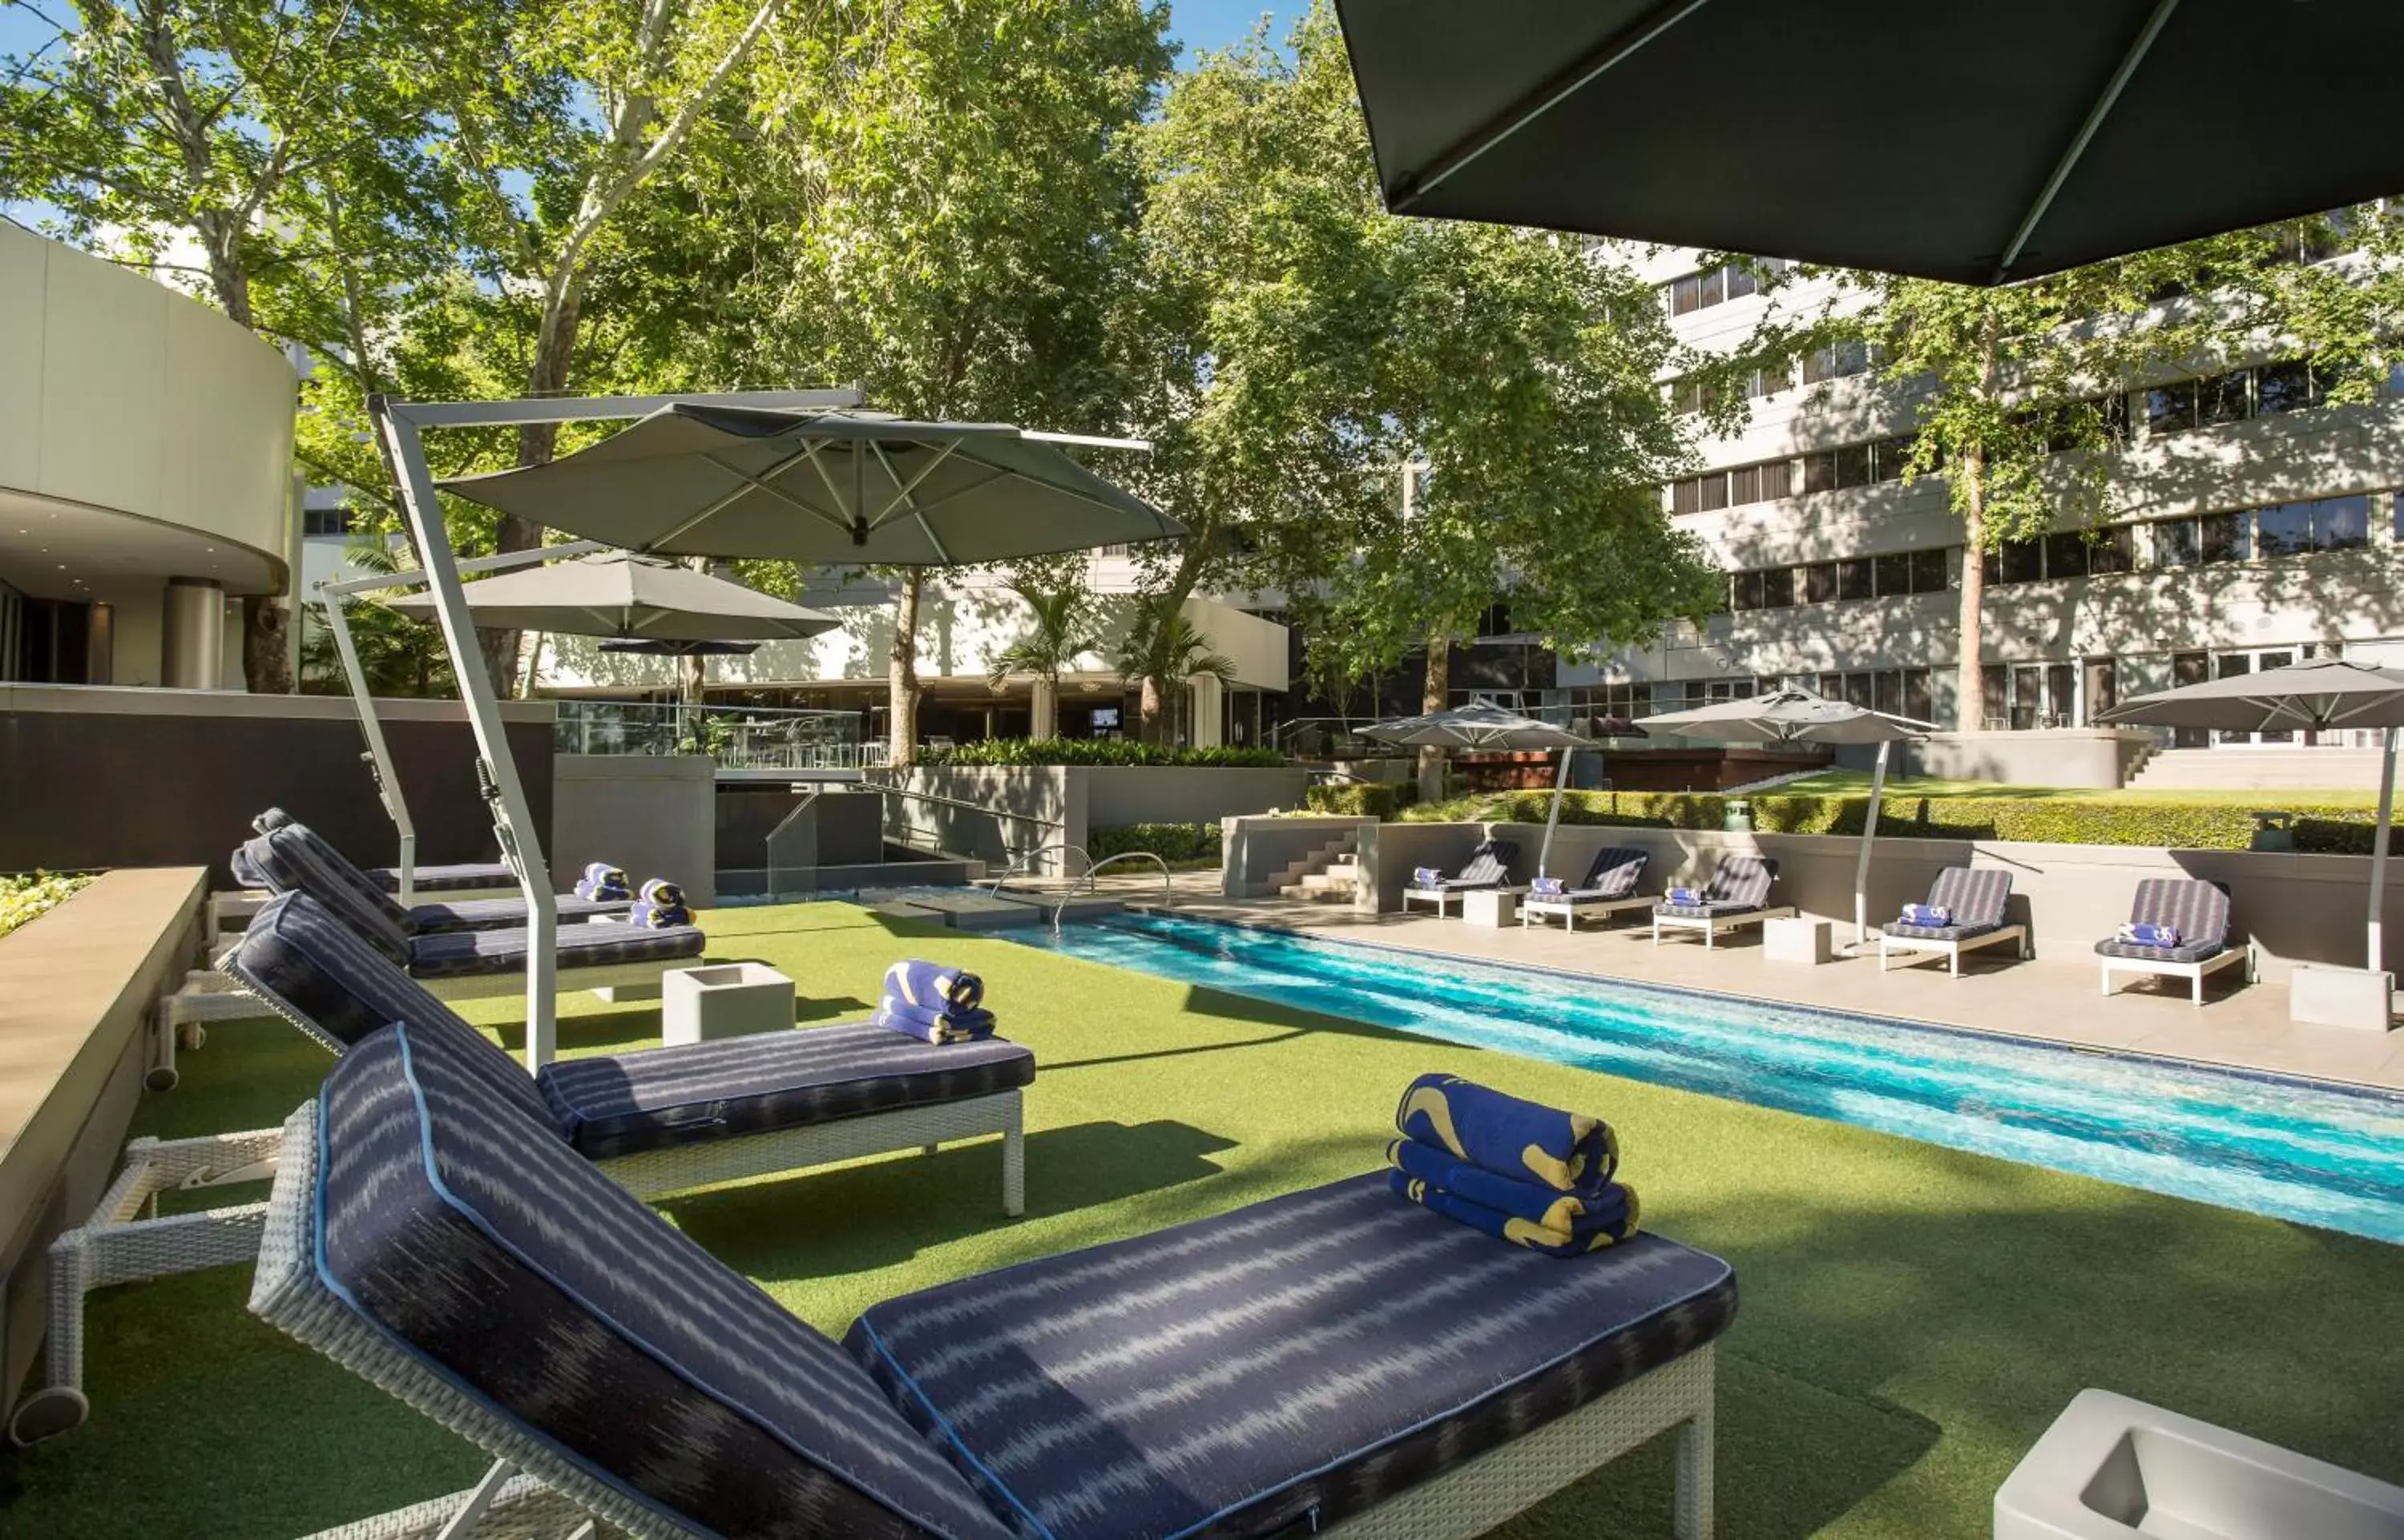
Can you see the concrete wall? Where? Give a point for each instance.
(838, 828)
(1257, 849)
(1177, 793)
(654, 815)
(98, 776)
(1049, 803)
(2099, 757)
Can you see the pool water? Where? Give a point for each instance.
(2299, 1150)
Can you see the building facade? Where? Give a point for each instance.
(2246, 523)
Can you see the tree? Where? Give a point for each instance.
(2022, 390)
(1059, 632)
(1164, 645)
(399, 654)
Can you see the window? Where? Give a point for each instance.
(2016, 561)
(1714, 492)
(1853, 465)
(2171, 408)
(1770, 381)
(2222, 536)
(1744, 486)
(1820, 583)
(2065, 554)
(2324, 524)
(1820, 472)
(1732, 281)
(326, 520)
(1853, 580)
(1776, 479)
(1748, 483)
(2224, 397)
(1894, 573)
(2112, 550)
(1836, 361)
(1685, 397)
(1686, 496)
(2285, 387)
(1745, 589)
(1928, 572)
(1778, 588)
(2285, 530)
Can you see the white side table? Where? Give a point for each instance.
(724, 999)
(1492, 907)
(1796, 940)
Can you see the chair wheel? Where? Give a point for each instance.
(47, 1413)
(159, 1078)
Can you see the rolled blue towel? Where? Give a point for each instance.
(1927, 914)
(913, 981)
(2140, 935)
(1685, 898)
(1591, 1232)
(1533, 1201)
(660, 904)
(1427, 877)
(604, 883)
(930, 1026)
(1510, 1136)
(1546, 886)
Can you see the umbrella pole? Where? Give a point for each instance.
(2379, 845)
(1861, 861)
(1552, 819)
(379, 757)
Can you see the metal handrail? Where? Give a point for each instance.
(1168, 884)
(1024, 856)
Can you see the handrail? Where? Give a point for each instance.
(1167, 884)
(1023, 856)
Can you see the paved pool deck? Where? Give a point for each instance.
(2053, 998)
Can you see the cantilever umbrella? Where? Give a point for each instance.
(1483, 725)
(1977, 143)
(836, 488)
(2316, 695)
(1798, 716)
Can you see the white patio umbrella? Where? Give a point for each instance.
(2316, 695)
(1483, 725)
(1798, 716)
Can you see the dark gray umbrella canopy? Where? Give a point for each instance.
(824, 488)
(613, 593)
(1978, 144)
(2318, 694)
(1477, 725)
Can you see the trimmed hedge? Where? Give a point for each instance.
(1181, 845)
(1380, 800)
(28, 897)
(1037, 751)
(2050, 820)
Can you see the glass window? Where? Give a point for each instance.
(1747, 590)
(2341, 524)
(1819, 582)
(2284, 387)
(2176, 543)
(1741, 282)
(1894, 573)
(1686, 496)
(2111, 549)
(1857, 690)
(1831, 686)
(1836, 361)
(1890, 458)
(1854, 581)
(2224, 397)
(2171, 408)
(1711, 285)
(1713, 492)
(2065, 553)
(1686, 294)
(1853, 465)
(1994, 692)
(1773, 379)
(2221, 537)
(1778, 588)
(1918, 704)
(2285, 530)
(2016, 561)
(1776, 479)
(1820, 472)
(1928, 572)
(1744, 486)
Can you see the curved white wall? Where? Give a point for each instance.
(119, 392)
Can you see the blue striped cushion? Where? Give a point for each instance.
(445, 879)
(629, 1102)
(2197, 910)
(1975, 895)
(1614, 874)
(461, 954)
(1488, 864)
(1276, 1368)
(293, 865)
(483, 1245)
(502, 914)
(341, 990)
(1740, 882)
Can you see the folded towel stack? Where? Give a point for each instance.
(933, 1003)
(1533, 1175)
(604, 884)
(1426, 877)
(1546, 886)
(1927, 914)
(660, 904)
(2139, 934)
(1685, 898)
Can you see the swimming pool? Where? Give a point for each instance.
(2300, 1150)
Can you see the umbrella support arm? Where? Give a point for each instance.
(1552, 819)
(1861, 860)
(2379, 847)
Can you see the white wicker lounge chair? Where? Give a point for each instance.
(2199, 911)
(658, 1121)
(1976, 898)
(1608, 888)
(1083, 1396)
(1736, 896)
(1488, 866)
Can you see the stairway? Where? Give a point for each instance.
(1328, 874)
(2247, 768)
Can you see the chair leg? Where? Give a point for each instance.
(1014, 1169)
(2107, 979)
(1693, 1519)
(1957, 962)
(2198, 985)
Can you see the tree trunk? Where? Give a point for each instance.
(902, 678)
(1432, 698)
(1152, 719)
(1969, 685)
(1044, 708)
(266, 661)
(1167, 602)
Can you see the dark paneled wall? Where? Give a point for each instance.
(94, 789)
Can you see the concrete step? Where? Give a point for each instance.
(2245, 768)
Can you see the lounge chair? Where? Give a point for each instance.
(657, 1120)
(1337, 1360)
(1976, 897)
(1738, 895)
(603, 956)
(1488, 866)
(1608, 888)
(2199, 911)
(273, 859)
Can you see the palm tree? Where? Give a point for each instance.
(398, 656)
(1174, 645)
(1061, 629)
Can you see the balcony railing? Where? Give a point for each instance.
(737, 738)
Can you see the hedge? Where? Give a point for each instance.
(1035, 751)
(2050, 821)
(1377, 799)
(27, 898)
(1193, 845)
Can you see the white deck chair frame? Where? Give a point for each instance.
(2192, 972)
(1716, 925)
(1914, 948)
(1442, 897)
(1532, 908)
(531, 1490)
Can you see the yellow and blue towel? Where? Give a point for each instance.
(660, 904)
(1615, 1220)
(1547, 1208)
(604, 883)
(1525, 1140)
(937, 1026)
(933, 1003)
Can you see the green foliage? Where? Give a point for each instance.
(27, 897)
(1381, 799)
(2062, 820)
(1036, 751)
(1185, 846)
(1059, 630)
(400, 655)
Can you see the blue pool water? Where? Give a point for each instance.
(2316, 1154)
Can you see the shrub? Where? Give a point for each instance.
(1377, 799)
(1182, 844)
(26, 898)
(1037, 751)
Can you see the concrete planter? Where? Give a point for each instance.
(1056, 804)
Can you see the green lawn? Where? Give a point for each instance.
(1856, 783)
(1912, 1317)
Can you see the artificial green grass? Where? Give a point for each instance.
(1912, 1317)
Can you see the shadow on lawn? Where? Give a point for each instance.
(824, 1223)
